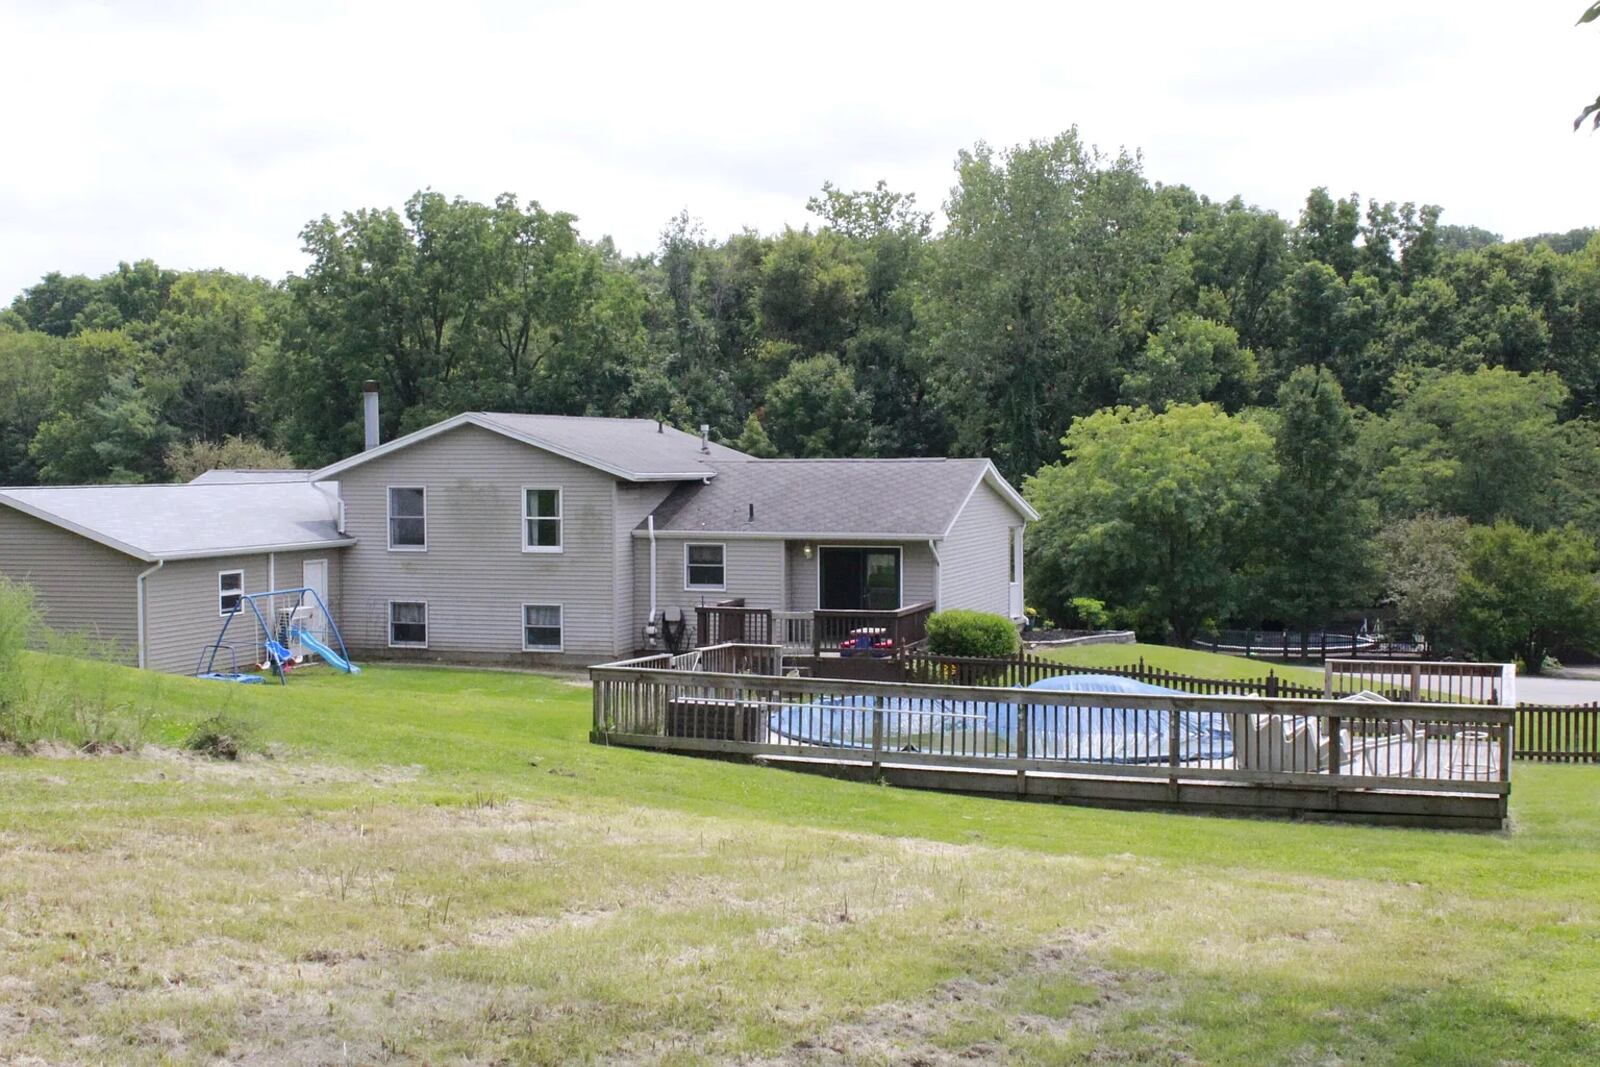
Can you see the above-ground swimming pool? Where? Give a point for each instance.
(1077, 732)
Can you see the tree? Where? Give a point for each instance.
(1524, 593)
(1150, 513)
(815, 409)
(1189, 360)
(191, 459)
(753, 440)
(1056, 263)
(1589, 15)
(1486, 446)
(1423, 558)
(1317, 518)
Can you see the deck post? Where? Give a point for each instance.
(877, 740)
(1174, 747)
(1335, 744)
(1023, 730)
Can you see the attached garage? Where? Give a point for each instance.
(148, 572)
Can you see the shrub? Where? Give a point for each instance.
(219, 737)
(1089, 613)
(971, 633)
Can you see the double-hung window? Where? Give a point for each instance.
(408, 624)
(541, 520)
(541, 627)
(230, 591)
(408, 519)
(704, 567)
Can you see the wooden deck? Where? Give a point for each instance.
(1405, 763)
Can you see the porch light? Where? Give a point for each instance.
(805, 550)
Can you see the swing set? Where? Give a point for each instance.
(277, 639)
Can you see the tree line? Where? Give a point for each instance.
(1308, 383)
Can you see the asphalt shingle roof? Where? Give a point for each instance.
(189, 521)
(642, 447)
(911, 498)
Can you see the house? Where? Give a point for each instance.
(515, 538)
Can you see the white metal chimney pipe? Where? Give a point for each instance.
(705, 437)
(369, 410)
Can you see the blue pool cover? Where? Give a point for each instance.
(1078, 732)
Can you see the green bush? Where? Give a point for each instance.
(971, 633)
(220, 737)
(1089, 613)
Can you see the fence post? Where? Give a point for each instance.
(1335, 744)
(1416, 682)
(1272, 684)
(877, 741)
(1174, 748)
(1022, 748)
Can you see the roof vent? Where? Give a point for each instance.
(705, 437)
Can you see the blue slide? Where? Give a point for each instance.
(329, 656)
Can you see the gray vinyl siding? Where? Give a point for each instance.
(919, 573)
(976, 554)
(182, 612)
(752, 569)
(474, 576)
(82, 586)
(634, 503)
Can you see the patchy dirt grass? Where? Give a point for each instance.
(450, 874)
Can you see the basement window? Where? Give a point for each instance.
(541, 627)
(408, 624)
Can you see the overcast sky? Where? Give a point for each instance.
(207, 135)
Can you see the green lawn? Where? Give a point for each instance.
(1181, 661)
(436, 866)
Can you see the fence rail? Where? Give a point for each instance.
(1554, 733)
(1023, 670)
(1318, 648)
(1427, 762)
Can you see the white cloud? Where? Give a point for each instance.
(208, 135)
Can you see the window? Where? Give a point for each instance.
(408, 623)
(1011, 552)
(541, 627)
(230, 591)
(408, 519)
(541, 520)
(703, 567)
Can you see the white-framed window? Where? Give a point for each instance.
(408, 518)
(705, 566)
(541, 519)
(541, 628)
(408, 624)
(230, 591)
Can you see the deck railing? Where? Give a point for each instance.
(1399, 758)
(1435, 682)
(730, 622)
(898, 629)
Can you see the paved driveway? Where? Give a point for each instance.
(1572, 688)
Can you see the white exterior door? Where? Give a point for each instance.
(314, 576)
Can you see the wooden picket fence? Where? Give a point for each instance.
(1556, 733)
(1024, 669)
